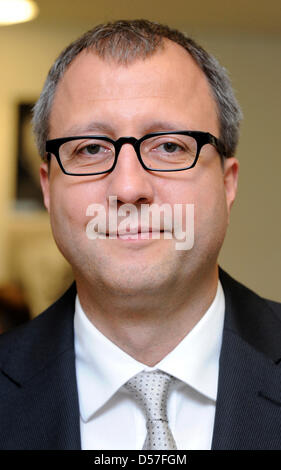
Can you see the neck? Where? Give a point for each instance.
(148, 326)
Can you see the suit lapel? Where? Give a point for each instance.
(248, 412)
(39, 383)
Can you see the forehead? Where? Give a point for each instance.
(169, 81)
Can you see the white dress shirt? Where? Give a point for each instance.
(110, 418)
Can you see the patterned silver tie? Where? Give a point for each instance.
(151, 391)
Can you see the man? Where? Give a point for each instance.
(135, 114)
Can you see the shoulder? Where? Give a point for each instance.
(245, 294)
(38, 395)
(256, 319)
(44, 332)
(275, 307)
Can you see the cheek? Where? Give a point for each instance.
(211, 215)
(68, 209)
(206, 191)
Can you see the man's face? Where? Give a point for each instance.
(164, 92)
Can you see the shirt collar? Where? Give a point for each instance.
(102, 367)
(195, 360)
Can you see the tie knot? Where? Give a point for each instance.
(151, 391)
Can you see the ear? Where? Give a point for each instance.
(230, 170)
(45, 184)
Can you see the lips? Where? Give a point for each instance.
(137, 231)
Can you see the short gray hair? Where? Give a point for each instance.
(125, 41)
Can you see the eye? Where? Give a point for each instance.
(171, 147)
(91, 149)
(95, 148)
(168, 147)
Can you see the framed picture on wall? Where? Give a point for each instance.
(28, 191)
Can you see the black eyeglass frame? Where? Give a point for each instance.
(202, 138)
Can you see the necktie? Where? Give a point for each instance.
(151, 391)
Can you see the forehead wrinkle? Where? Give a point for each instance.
(128, 98)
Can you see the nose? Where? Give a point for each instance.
(129, 181)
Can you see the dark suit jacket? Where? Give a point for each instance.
(38, 392)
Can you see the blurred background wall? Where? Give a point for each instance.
(243, 35)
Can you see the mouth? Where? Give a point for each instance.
(136, 234)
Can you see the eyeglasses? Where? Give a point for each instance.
(161, 151)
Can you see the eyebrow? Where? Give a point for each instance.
(163, 126)
(94, 126)
(105, 128)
